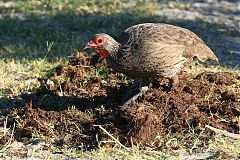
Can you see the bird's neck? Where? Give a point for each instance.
(114, 50)
(113, 58)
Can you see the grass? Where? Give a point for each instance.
(37, 36)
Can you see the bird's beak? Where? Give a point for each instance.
(89, 45)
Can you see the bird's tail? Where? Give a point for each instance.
(205, 53)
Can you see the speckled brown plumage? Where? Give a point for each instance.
(151, 50)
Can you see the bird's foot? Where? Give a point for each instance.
(133, 93)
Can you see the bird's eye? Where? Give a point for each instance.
(100, 41)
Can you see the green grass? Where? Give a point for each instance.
(37, 36)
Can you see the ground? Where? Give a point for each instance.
(59, 102)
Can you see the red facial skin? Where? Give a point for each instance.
(96, 44)
(102, 52)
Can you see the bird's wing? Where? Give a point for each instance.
(164, 33)
(161, 58)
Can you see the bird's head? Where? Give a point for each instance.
(102, 43)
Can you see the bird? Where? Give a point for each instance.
(148, 51)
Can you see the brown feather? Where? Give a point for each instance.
(152, 50)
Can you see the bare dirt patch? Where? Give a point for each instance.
(75, 98)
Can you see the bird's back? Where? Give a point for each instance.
(154, 49)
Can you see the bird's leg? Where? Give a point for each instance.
(134, 92)
(173, 82)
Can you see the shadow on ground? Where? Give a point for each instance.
(68, 32)
(70, 103)
(198, 100)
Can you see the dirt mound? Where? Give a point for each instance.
(94, 91)
(206, 99)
